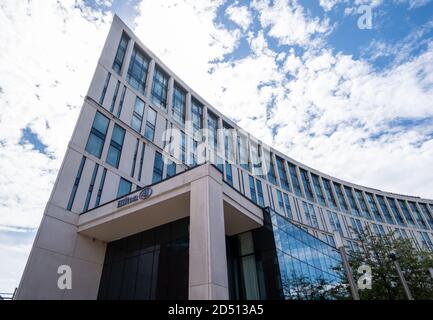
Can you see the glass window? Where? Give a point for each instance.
(137, 71)
(96, 140)
(356, 227)
(171, 169)
(212, 124)
(137, 115)
(417, 215)
(158, 168)
(282, 174)
(197, 116)
(271, 170)
(179, 104)
(329, 194)
(122, 99)
(124, 188)
(229, 174)
(295, 181)
(116, 144)
(260, 193)
(76, 183)
(426, 241)
(243, 151)
(101, 187)
(352, 202)
(427, 214)
(288, 207)
(307, 185)
(149, 130)
(363, 205)
(116, 91)
(395, 211)
(280, 202)
(373, 207)
(91, 186)
(385, 211)
(141, 161)
(310, 215)
(104, 91)
(120, 54)
(406, 213)
(318, 189)
(159, 87)
(252, 189)
(335, 222)
(340, 196)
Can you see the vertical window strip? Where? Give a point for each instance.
(158, 167)
(140, 170)
(385, 211)
(120, 54)
(179, 104)
(159, 88)
(307, 185)
(280, 202)
(137, 71)
(318, 189)
(406, 213)
(137, 115)
(418, 215)
(134, 159)
(282, 174)
(340, 196)
(90, 191)
(289, 212)
(101, 187)
(96, 140)
(116, 91)
(363, 205)
(149, 130)
(329, 194)
(295, 181)
(76, 183)
(252, 189)
(395, 211)
(122, 99)
(104, 90)
(260, 193)
(352, 202)
(373, 207)
(116, 145)
(427, 214)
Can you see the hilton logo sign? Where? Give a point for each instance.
(143, 195)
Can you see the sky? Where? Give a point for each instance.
(318, 80)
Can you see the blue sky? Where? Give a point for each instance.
(301, 75)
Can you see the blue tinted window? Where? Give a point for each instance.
(158, 167)
(149, 131)
(295, 180)
(159, 88)
(260, 193)
(318, 189)
(124, 187)
(96, 140)
(282, 174)
(120, 54)
(307, 185)
(171, 169)
(229, 175)
(116, 144)
(329, 194)
(288, 207)
(179, 104)
(137, 115)
(252, 189)
(137, 71)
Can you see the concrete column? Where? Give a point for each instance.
(170, 89)
(149, 78)
(208, 278)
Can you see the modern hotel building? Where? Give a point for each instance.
(160, 196)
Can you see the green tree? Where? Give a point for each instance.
(374, 251)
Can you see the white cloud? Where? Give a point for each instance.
(240, 15)
(289, 22)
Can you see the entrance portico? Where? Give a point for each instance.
(213, 207)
